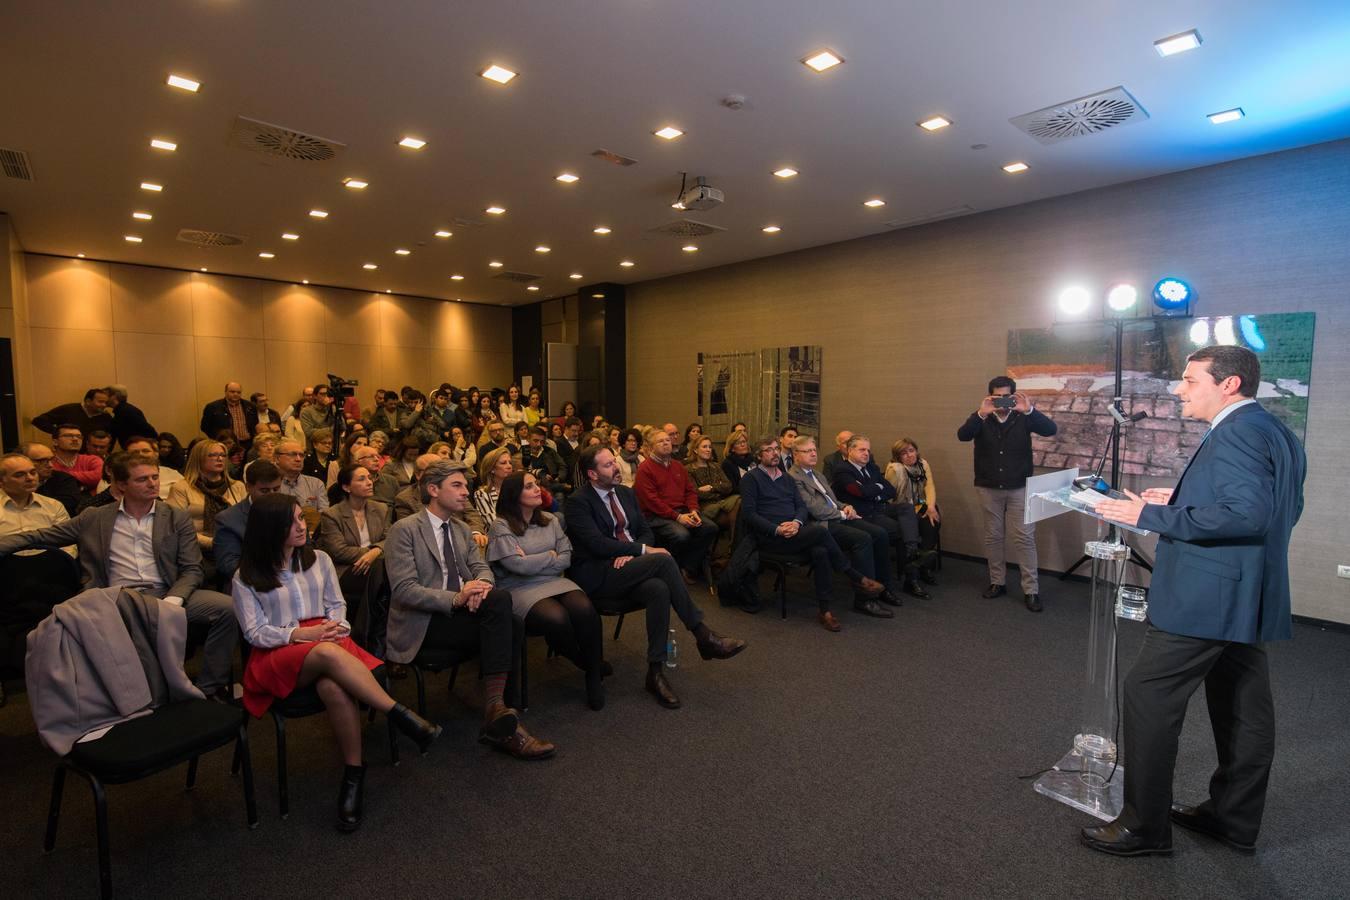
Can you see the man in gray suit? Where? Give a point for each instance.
(144, 544)
(444, 599)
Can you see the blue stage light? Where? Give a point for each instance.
(1251, 333)
(1171, 294)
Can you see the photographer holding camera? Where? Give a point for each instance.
(1001, 429)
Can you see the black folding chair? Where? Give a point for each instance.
(30, 585)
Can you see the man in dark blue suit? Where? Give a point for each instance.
(1220, 589)
(615, 560)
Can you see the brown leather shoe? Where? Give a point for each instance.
(523, 745)
(717, 647)
(869, 587)
(658, 687)
(499, 723)
(828, 621)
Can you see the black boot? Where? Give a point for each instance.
(349, 798)
(595, 689)
(414, 726)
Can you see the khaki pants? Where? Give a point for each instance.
(1003, 514)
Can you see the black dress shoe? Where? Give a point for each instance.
(714, 646)
(1194, 819)
(349, 798)
(595, 690)
(659, 688)
(994, 590)
(914, 590)
(872, 608)
(1033, 602)
(927, 577)
(606, 669)
(889, 598)
(751, 606)
(1117, 840)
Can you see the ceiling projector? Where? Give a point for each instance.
(699, 196)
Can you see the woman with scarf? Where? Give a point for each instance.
(629, 455)
(912, 478)
(736, 459)
(206, 490)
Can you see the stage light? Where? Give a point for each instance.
(1074, 301)
(1223, 331)
(1251, 333)
(1122, 298)
(1200, 333)
(1171, 294)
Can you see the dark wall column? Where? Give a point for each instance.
(602, 321)
(527, 343)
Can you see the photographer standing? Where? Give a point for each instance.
(1001, 429)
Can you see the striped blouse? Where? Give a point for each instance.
(485, 501)
(268, 618)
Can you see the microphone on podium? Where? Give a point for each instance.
(1095, 482)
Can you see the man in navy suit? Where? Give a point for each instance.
(1220, 590)
(615, 560)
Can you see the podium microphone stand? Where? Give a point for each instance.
(1089, 777)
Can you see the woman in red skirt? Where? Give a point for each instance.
(288, 602)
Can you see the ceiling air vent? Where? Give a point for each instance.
(14, 163)
(465, 222)
(1086, 115)
(686, 228)
(273, 140)
(517, 277)
(610, 156)
(203, 238)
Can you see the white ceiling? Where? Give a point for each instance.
(85, 92)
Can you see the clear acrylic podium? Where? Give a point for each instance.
(1089, 777)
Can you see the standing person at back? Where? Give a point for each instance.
(1001, 429)
(1220, 590)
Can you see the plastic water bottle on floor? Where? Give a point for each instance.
(672, 651)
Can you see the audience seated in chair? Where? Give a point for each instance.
(774, 513)
(142, 543)
(443, 599)
(544, 463)
(859, 481)
(205, 491)
(833, 459)
(628, 456)
(912, 478)
(59, 486)
(529, 553)
(716, 502)
(737, 459)
(261, 478)
(290, 608)
(98, 443)
(670, 503)
(615, 560)
(21, 507)
(310, 491)
(351, 531)
(85, 468)
(320, 461)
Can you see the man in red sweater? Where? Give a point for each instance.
(669, 501)
(86, 468)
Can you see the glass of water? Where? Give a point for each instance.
(1132, 602)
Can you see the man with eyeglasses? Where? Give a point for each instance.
(290, 459)
(57, 485)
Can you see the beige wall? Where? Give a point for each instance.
(174, 338)
(914, 323)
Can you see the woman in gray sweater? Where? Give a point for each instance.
(529, 554)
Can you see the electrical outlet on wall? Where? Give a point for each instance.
(1343, 571)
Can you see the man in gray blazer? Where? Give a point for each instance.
(144, 544)
(444, 599)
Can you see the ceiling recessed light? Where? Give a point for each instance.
(874, 203)
(133, 238)
(533, 287)
(412, 143)
(495, 210)
(80, 255)
(289, 236)
(575, 276)
(936, 123)
(1228, 115)
(319, 213)
(628, 264)
(143, 216)
(568, 178)
(771, 229)
(151, 186)
(369, 266)
(443, 233)
(161, 144)
(601, 229)
(355, 184)
(498, 74)
(1014, 167)
(186, 84)
(202, 269)
(402, 252)
(669, 132)
(542, 248)
(387, 291)
(304, 281)
(822, 60)
(677, 205)
(266, 255)
(456, 277)
(689, 248)
(786, 172)
(598, 296)
(496, 264)
(1177, 43)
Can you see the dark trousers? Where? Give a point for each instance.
(653, 581)
(1168, 671)
(877, 556)
(492, 633)
(818, 542)
(689, 545)
(902, 526)
(367, 597)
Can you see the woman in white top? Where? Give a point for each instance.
(493, 469)
(462, 449)
(206, 490)
(287, 600)
(511, 409)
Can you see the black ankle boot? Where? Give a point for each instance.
(349, 798)
(414, 726)
(595, 688)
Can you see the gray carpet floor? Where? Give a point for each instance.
(878, 762)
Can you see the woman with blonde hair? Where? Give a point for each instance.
(206, 490)
(912, 479)
(493, 468)
(736, 458)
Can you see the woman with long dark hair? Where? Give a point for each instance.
(171, 452)
(510, 410)
(290, 608)
(529, 551)
(351, 531)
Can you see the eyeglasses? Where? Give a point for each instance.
(217, 455)
(290, 453)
